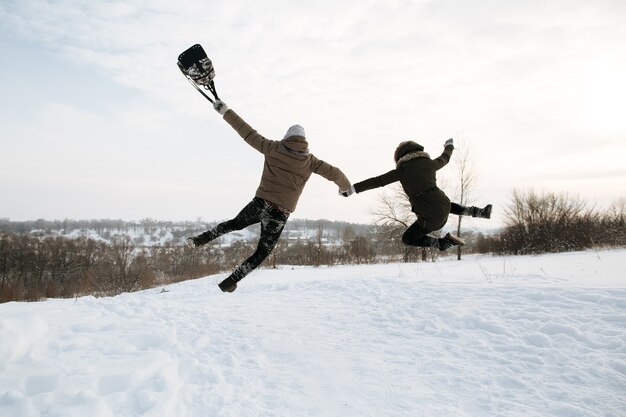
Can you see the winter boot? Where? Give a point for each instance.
(449, 241)
(472, 211)
(484, 212)
(201, 239)
(228, 285)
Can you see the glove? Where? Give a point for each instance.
(449, 142)
(347, 192)
(220, 107)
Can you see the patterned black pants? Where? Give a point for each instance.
(272, 221)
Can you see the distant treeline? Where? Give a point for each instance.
(35, 266)
(38, 260)
(177, 232)
(548, 223)
(38, 267)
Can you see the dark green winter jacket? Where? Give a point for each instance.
(417, 174)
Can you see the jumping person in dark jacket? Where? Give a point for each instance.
(288, 166)
(417, 174)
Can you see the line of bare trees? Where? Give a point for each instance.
(549, 222)
(34, 268)
(37, 267)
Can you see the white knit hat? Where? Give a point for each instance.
(295, 130)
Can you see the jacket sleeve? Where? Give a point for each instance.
(443, 160)
(376, 182)
(248, 134)
(330, 172)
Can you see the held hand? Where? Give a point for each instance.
(220, 107)
(347, 192)
(449, 142)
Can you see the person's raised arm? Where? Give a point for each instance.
(445, 156)
(243, 129)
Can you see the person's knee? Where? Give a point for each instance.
(266, 246)
(406, 238)
(237, 223)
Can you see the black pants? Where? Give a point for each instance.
(458, 209)
(272, 221)
(417, 234)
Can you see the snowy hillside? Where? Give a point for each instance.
(488, 336)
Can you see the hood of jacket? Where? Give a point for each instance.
(296, 145)
(410, 156)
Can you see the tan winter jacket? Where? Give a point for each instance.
(288, 165)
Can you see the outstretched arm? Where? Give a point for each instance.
(445, 156)
(376, 182)
(330, 172)
(244, 130)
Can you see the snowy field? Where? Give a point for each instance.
(487, 336)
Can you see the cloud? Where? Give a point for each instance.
(524, 81)
(432, 53)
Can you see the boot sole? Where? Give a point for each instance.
(227, 287)
(456, 240)
(487, 211)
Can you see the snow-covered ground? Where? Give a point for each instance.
(487, 336)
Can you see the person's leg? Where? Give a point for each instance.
(460, 210)
(272, 225)
(449, 241)
(249, 215)
(416, 235)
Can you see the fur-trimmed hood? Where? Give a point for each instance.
(412, 155)
(406, 147)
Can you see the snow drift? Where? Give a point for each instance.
(517, 336)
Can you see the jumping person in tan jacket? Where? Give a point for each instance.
(288, 166)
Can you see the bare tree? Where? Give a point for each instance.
(548, 222)
(392, 218)
(466, 185)
(123, 269)
(319, 242)
(611, 229)
(617, 212)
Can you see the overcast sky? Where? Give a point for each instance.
(98, 122)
